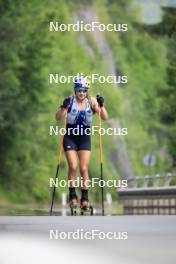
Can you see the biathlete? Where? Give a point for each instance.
(79, 109)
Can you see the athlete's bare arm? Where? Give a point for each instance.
(60, 113)
(95, 106)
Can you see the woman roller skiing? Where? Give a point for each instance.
(79, 109)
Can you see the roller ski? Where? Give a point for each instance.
(73, 206)
(85, 207)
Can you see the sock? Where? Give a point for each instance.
(84, 194)
(72, 193)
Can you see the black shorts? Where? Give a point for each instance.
(73, 142)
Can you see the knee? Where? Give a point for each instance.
(83, 169)
(72, 168)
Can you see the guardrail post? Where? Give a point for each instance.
(168, 178)
(156, 182)
(146, 181)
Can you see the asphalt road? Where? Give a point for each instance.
(149, 239)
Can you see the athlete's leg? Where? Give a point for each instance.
(84, 158)
(71, 156)
(72, 160)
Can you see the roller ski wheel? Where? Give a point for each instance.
(73, 206)
(85, 208)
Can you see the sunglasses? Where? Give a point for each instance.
(82, 90)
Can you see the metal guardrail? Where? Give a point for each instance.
(155, 181)
(150, 195)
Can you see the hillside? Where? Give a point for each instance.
(145, 105)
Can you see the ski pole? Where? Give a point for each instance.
(101, 162)
(58, 164)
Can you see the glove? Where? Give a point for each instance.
(100, 100)
(66, 103)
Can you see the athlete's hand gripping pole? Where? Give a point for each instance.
(101, 160)
(58, 163)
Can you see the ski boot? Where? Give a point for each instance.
(73, 201)
(85, 207)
